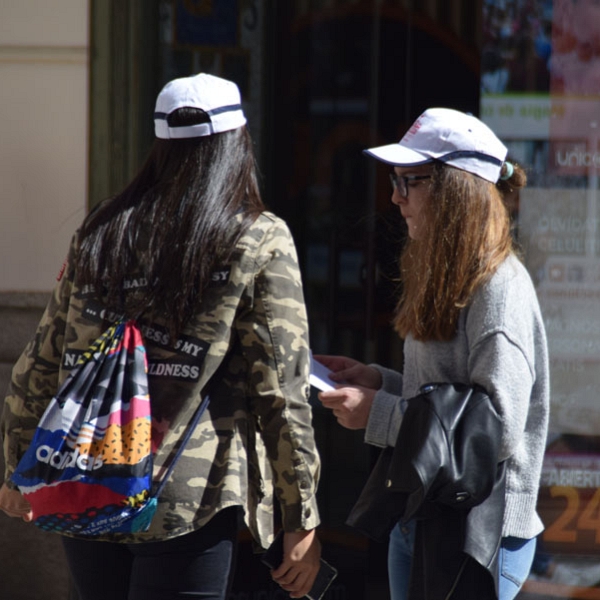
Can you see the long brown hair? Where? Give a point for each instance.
(467, 236)
(173, 225)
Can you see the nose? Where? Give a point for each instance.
(397, 199)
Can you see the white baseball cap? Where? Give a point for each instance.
(450, 136)
(219, 98)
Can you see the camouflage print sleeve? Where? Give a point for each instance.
(35, 375)
(274, 336)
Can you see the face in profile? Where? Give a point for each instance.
(411, 192)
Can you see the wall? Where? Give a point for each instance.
(43, 146)
(43, 168)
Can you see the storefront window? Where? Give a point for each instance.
(540, 91)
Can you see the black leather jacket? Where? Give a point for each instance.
(444, 473)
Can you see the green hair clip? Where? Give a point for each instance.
(510, 169)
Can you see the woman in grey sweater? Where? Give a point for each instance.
(468, 314)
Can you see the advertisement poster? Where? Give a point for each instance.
(575, 88)
(515, 65)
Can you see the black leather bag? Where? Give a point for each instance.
(446, 455)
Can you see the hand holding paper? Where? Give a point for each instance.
(319, 375)
(341, 370)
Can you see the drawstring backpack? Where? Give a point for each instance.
(88, 469)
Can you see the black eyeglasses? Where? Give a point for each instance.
(400, 182)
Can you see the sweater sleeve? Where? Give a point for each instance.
(274, 338)
(506, 339)
(387, 409)
(500, 365)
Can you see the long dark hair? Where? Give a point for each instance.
(467, 237)
(173, 225)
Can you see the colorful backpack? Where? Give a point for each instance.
(88, 470)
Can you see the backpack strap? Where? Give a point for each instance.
(184, 440)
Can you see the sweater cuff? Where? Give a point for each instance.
(384, 420)
(391, 380)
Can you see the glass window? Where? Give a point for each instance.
(540, 92)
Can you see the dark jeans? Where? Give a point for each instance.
(196, 565)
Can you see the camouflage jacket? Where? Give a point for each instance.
(247, 346)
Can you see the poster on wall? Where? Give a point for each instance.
(575, 88)
(515, 68)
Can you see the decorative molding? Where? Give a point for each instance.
(70, 55)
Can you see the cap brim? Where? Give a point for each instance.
(397, 155)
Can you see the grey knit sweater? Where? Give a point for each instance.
(500, 345)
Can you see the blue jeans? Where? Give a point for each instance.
(514, 563)
(516, 558)
(400, 552)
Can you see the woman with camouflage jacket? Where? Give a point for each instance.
(188, 249)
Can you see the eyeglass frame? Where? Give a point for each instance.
(395, 178)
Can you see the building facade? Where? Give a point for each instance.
(321, 80)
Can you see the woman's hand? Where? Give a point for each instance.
(351, 405)
(14, 504)
(347, 370)
(351, 401)
(301, 556)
